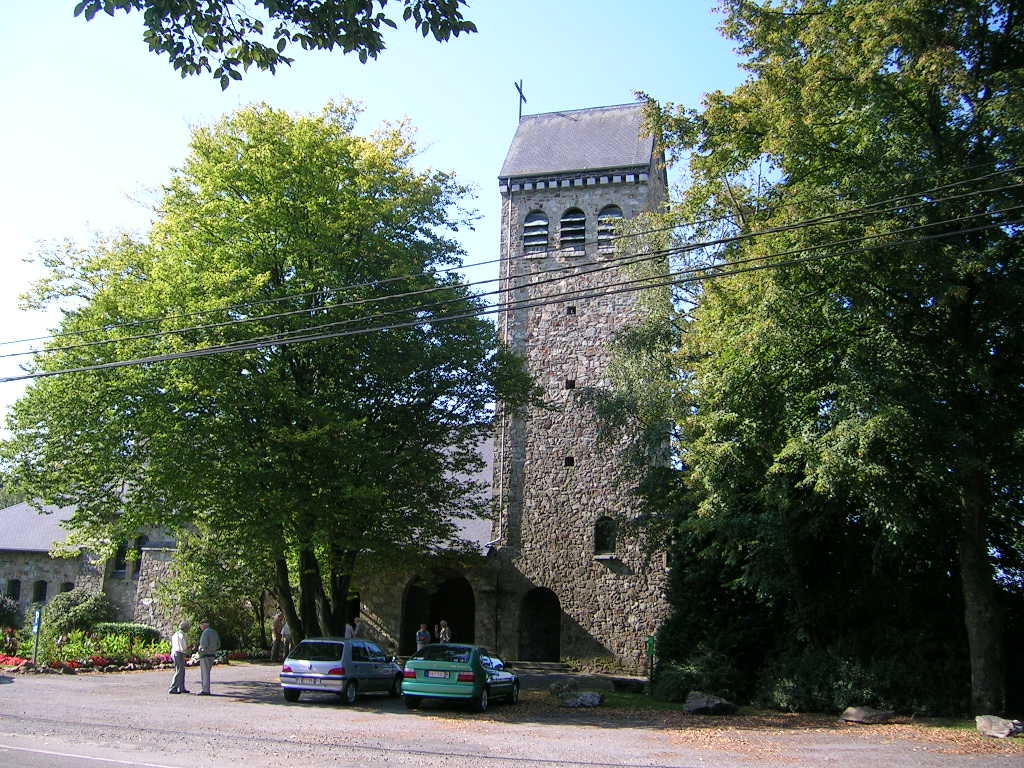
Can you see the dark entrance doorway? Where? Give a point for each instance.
(448, 597)
(540, 626)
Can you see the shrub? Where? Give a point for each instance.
(136, 634)
(78, 609)
(10, 612)
(705, 670)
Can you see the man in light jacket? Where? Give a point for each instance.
(209, 644)
(179, 650)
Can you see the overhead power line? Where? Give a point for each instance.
(695, 274)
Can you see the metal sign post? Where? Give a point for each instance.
(37, 620)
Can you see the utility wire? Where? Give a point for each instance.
(723, 271)
(611, 263)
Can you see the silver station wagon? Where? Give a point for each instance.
(346, 667)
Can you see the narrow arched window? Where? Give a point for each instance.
(39, 592)
(14, 589)
(605, 531)
(607, 221)
(573, 229)
(535, 232)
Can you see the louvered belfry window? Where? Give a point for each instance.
(573, 229)
(535, 232)
(607, 220)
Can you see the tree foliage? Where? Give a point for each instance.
(225, 37)
(315, 376)
(848, 399)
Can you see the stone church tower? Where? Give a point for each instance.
(575, 584)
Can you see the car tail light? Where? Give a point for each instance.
(286, 668)
(409, 674)
(337, 671)
(466, 677)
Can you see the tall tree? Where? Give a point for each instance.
(861, 370)
(226, 37)
(344, 374)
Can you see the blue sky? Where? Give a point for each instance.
(95, 122)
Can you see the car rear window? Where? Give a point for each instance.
(312, 650)
(444, 653)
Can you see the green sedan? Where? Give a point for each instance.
(458, 672)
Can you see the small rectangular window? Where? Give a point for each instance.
(570, 461)
(570, 383)
(570, 310)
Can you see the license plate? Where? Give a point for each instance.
(437, 673)
(309, 681)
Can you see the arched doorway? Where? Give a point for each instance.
(446, 596)
(540, 626)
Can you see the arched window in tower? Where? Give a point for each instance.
(607, 220)
(39, 591)
(573, 230)
(605, 533)
(535, 232)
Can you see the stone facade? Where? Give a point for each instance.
(574, 585)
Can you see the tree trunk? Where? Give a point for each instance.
(285, 598)
(342, 565)
(982, 616)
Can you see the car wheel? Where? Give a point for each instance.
(513, 697)
(396, 687)
(480, 703)
(411, 702)
(290, 694)
(350, 692)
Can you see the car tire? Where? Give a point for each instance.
(290, 694)
(350, 692)
(396, 687)
(480, 702)
(411, 702)
(513, 697)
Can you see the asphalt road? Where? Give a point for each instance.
(96, 720)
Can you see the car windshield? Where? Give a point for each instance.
(454, 653)
(313, 650)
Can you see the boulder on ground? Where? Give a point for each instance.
(700, 703)
(998, 727)
(581, 699)
(866, 715)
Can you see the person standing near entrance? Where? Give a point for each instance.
(179, 650)
(444, 634)
(209, 644)
(422, 637)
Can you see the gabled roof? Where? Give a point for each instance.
(23, 528)
(579, 140)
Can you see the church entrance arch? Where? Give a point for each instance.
(445, 596)
(540, 626)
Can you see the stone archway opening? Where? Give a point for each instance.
(540, 626)
(447, 597)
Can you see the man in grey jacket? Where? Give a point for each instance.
(209, 644)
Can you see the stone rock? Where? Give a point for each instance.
(560, 687)
(998, 727)
(866, 715)
(700, 703)
(581, 699)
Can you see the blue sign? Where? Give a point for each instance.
(37, 620)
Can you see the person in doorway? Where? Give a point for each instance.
(209, 644)
(422, 636)
(444, 634)
(179, 652)
(286, 640)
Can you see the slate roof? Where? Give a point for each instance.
(24, 528)
(579, 140)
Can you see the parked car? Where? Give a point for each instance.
(460, 672)
(343, 666)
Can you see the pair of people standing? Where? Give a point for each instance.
(209, 644)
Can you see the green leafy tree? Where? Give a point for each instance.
(225, 37)
(849, 400)
(310, 377)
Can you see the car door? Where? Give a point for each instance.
(381, 668)
(497, 679)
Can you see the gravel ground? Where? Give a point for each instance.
(128, 719)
